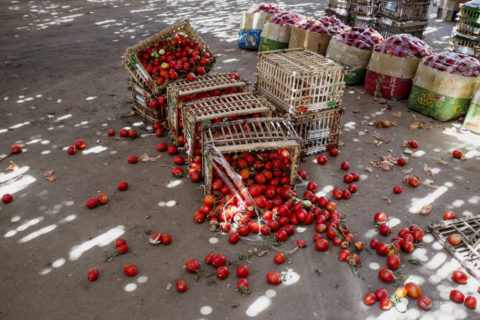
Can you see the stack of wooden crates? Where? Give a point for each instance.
(307, 89)
(466, 35)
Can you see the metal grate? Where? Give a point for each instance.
(468, 251)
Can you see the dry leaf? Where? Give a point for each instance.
(379, 137)
(407, 171)
(397, 114)
(430, 171)
(363, 132)
(169, 286)
(463, 158)
(373, 115)
(439, 160)
(13, 167)
(144, 158)
(47, 174)
(426, 210)
(32, 107)
(377, 143)
(356, 111)
(405, 143)
(52, 178)
(368, 169)
(358, 97)
(384, 165)
(389, 201)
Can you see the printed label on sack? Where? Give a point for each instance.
(437, 106)
(472, 120)
(249, 39)
(141, 100)
(268, 44)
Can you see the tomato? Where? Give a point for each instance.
(343, 255)
(386, 275)
(374, 243)
(192, 265)
(274, 277)
(279, 258)
(337, 241)
(457, 296)
(417, 235)
(348, 178)
(166, 239)
(454, 239)
(424, 303)
(179, 160)
(273, 225)
(382, 249)
(243, 230)
(337, 193)
(369, 299)
(459, 277)
(331, 233)
(242, 271)
(301, 244)
(407, 246)
(219, 260)
(413, 144)
(402, 232)
(381, 293)
(181, 286)
(385, 303)
(471, 302)
(408, 237)
(401, 292)
(397, 189)
(209, 258)
(321, 159)
(353, 260)
(253, 227)
(346, 194)
(413, 290)
(359, 245)
(222, 272)
(199, 216)
(281, 235)
(302, 174)
(122, 249)
(413, 181)
(384, 229)
(352, 188)
(333, 152)
(130, 270)
(16, 148)
(393, 261)
(321, 245)
(457, 154)
(348, 237)
(449, 215)
(119, 242)
(233, 237)
(380, 217)
(289, 229)
(265, 230)
(92, 274)
(242, 285)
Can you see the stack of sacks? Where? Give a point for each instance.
(444, 85)
(353, 49)
(276, 32)
(252, 23)
(393, 65)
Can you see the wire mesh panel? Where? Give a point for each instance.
(204, 112)
(319, 131)
(468, 251)
(180, 92)
(466, 45)
(256, 134)
(132, 64)
(299, 80)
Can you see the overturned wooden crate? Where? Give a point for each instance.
(184, 91)
(299, 80)
(137, 71)
(388, 28)
(251, 135)
(319, 131)
(400, 10)
(142, 99)
(204, 112)
(468, 251)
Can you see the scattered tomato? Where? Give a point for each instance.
(130, 270)
(181, 286)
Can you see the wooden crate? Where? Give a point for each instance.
(466, 45)
(299, 80)
(467, 28)
(319, 131)
(136, 69)
(472, 14)
(141, 104)
(401, 11)
(363, 22)
(205, 112)
(416, 28)
(362, 9)
(468, 251)
(251, 135)
(180, 91)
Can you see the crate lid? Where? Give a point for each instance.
(298, 60)
(251, 134)
(206, 83)
(225, 106)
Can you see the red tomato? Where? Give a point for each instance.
(321, 245)
(459, 277)
(417, 235)
(242, 285)
(166, 239)
(345, 165)
(382, 249)
(413, 290)
(386, 275)
(380, 217)
(369, 299)
(343, 255)
(219, 260)
(279, 258)
(457, 296)
(381, 293)
(454, 239)
(385, 303)
(233, 237)
(281, 235)
(407, 246)
(209, 258)
(302, 174)
(242, 271)
(333, 152)
(274, 277)
(192, 265)
(222, 272)
(449, 215)
(471, 302)
(374, 243)
(130, 270)
(384, 229)
(352, 188)
(181, 286)
(321, 159)
(92, 274)
(457, 154)
(393, 261)
(424, 303)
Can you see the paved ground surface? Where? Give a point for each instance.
(61, 80)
